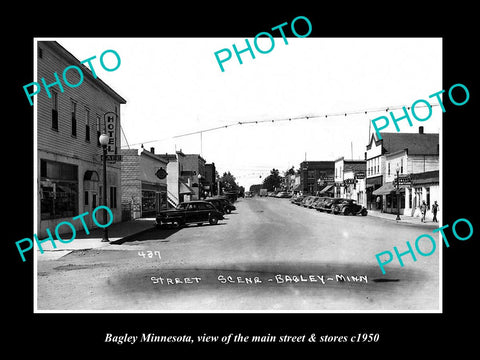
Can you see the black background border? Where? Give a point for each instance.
(402, 332)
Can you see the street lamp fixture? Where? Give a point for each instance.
(398, 193)
(103, 139)
(199, 186)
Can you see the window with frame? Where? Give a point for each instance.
(58, 190)
(205, 206)
(192, 207)
(148, 201)
(98, 130)
(87, 125)
(113, 197)
(74, 119)
(54, 110)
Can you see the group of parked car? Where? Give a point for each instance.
(280, 194)
(330, 205)
(210, 210)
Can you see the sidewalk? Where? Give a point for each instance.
(404, 219)
(83, 241)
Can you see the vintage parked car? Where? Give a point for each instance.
(222, 204)
(319, 205)
(297, 199)
(312, 202)
(196, 212)
(317, 201)
(283, 194)
(349, 207)
(308, 200)
(329, 204)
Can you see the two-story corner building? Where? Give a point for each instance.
(69, 123)
(316, 177)
(350, 180)
(414, 158)
(144, 183)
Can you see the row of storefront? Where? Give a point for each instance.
(411, 159)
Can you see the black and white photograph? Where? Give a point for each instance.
(233, 184)
(223, 179)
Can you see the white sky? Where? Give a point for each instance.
(174, 86)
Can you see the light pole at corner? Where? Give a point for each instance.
(397, 184)
(104, 140)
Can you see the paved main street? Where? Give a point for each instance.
(268, 241)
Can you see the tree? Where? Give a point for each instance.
(228, 182)
(290, 171)
(272, 181)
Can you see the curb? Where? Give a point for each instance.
(404, 221)
(130, 236)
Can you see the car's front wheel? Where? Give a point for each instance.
(177, 223)
(346, 211)
(228, 211)
(213, 220)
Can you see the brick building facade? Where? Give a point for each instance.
(316, 176)
(144, 183)
(69, 122)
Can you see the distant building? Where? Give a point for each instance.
(144, 183)
(316, 176)
(210, 180)
(194, 172)
(183, 173)
(69, 123)
(416, 158)
(350, 180)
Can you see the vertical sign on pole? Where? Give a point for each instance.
(111, 126)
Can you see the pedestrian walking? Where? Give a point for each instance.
(423, 210)
(435, 208)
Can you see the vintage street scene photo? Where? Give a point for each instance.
(277, 173)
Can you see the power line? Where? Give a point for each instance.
(121, 128)
(296, 118)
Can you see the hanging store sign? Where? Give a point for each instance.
(161, 173)
(112, 158)
(110, 125)
(404, 180)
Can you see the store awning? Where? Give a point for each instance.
(325, 189)
(185, 189)
(387, 189)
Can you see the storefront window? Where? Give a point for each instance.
(148, 202)
(58, 190)
(163, 201)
